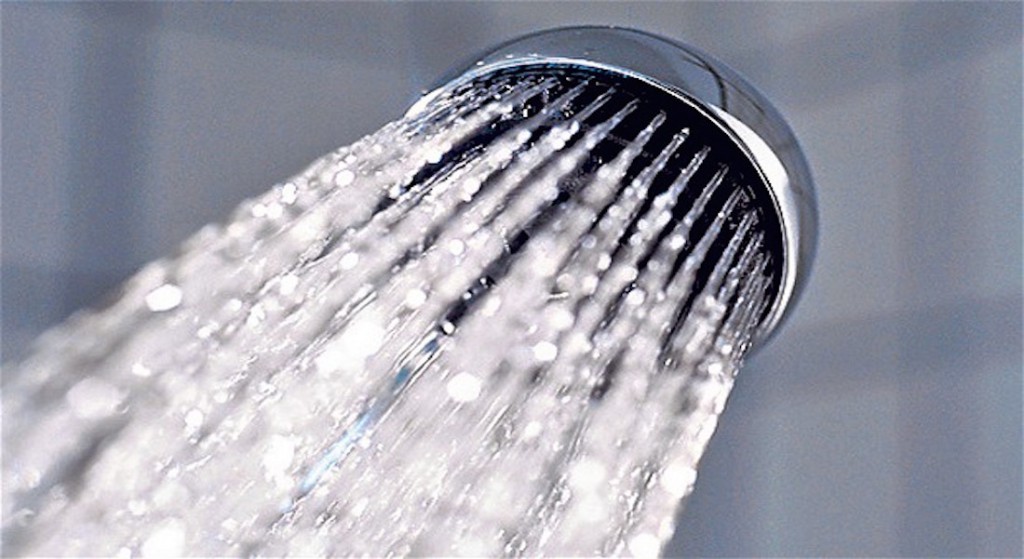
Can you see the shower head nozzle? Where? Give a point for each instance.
(682, 78)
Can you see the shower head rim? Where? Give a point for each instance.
(704, 83)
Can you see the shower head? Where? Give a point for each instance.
(715, 103)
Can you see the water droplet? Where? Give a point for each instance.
(588, 473)
(344, 177)
(628, 273)
(415, 298)
(274, 211)
(137, 507)
(164, 298)
(359, 507)
(92, 398)
(470, 188)
(456, 247)
(207, 330)
(716, 368)
(194, 419)
(491, 305)
(561, 318)
(288, 284)
(645, 545)
(168, 540)
(278, 456)
(636, 297)
(435, 155)
(349, 261)
(256, 315)
(363, 337)
(289, 193)
(140, 370)
(678, 479)
(545, 352)
(464, 387)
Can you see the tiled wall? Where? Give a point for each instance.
(885, 419)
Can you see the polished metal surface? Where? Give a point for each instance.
(717, 91)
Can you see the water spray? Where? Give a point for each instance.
(505, 324)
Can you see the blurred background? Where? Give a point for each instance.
(884, 419)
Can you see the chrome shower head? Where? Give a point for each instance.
(718, 106)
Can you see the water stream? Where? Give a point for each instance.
(503, 326)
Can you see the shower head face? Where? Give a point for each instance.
(682, 79)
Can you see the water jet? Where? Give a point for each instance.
(504, 324)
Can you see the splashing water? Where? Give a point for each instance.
(503, 326)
